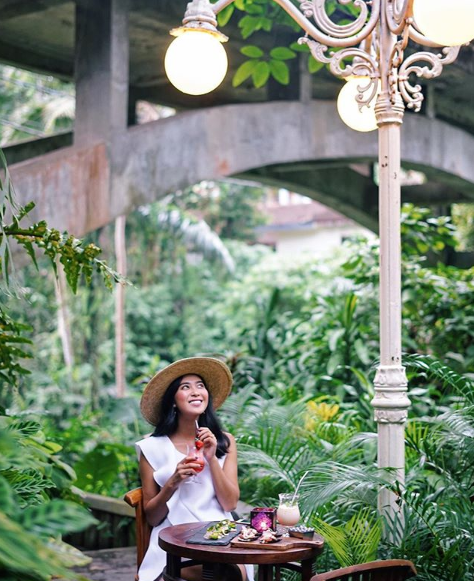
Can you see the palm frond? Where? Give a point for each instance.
(198, 235)
(356, 445)
(435, 369)
(240, 406)
(355, 541)
(280, 461)
(328, 481)
(62, 107)
(440, 452)
(436, 534)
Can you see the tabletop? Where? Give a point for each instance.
(173, 541)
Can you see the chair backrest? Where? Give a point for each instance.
(395, 570)
(135, 499)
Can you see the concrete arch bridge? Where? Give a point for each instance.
(301, 146)
(287, 136)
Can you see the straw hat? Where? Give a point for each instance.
(215, 373)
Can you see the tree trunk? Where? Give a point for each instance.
(64, 322)
(121, 259)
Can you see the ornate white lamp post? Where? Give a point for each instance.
(380, 77)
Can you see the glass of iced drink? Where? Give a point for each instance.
(196, 456)
(288, 512)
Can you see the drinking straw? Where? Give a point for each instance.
(197, 425)
(299, 484)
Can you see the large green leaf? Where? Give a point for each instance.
(260, 74)
(282, 53)
(225, 15)
(251, 51)
(23, 553)
(7, 502)
(56, 517)
(280, 71)
(97, 469)
(25, 427)
(245, 71)
(313, 65)
(28, 484)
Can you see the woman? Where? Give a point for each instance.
(180, 401)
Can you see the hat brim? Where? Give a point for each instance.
(215, 374)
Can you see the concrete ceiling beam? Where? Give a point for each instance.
(14, 8)
(35, 62)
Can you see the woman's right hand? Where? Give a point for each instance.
(184, 470)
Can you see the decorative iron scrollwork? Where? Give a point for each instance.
(411, 93)
(365, 42)
(354, 48)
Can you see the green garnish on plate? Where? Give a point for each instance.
(219, 529)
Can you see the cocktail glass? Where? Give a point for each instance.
(197, 458)
(288, 512)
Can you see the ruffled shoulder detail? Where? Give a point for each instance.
(158, 450)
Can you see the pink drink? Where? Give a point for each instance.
(196, 457)
(201, 465)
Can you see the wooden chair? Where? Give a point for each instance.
(395, 570)
(143, 530)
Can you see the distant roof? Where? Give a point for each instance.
(301, 216)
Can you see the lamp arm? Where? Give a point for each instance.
(220, 5)
(338, 36)
(398, 12)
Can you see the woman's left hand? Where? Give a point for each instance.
(209, 441)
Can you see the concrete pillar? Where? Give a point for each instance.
(101, 69)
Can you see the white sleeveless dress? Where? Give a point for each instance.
(190, 503)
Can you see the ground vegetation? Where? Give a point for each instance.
(302, 341)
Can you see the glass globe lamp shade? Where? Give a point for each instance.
(196, 62)
(360, 119)
(446, 23)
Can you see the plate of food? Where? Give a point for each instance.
(269, 536)
(250, 536)
(220, 529)
(247, 534)
(215, 533)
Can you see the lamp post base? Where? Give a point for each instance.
(391, 405)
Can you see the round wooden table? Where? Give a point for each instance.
(173, 541)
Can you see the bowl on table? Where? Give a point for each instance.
(301, 532)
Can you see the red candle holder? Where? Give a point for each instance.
(263, 518)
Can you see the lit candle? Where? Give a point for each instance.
(263, 518)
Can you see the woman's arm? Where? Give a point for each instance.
(154, 497)
(224, 479)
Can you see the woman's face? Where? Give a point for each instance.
(192, 397)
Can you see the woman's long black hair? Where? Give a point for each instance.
(168, 423)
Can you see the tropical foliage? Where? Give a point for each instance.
(304, 344)
(305, 402)
(75, 257)
(32, 515)
(36, 504)
(33, 105)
